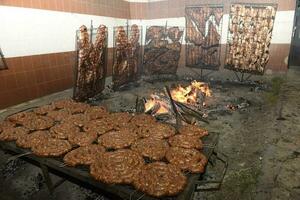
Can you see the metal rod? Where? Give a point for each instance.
(242, 79)
(76, 67)
(63, 165)
(127, 29)
(257, 5)
(105, 50)
(166, 27)
(47, 177)
(208, 73)
(58, 183)
(141, 196)
(237, 76)
(131, 194)
(18, 156)
(250, 75)
(23, 110)
(136, 103)
(218, 181)
(201, 74)
(205, 5)
(91, 32)
(178, 120)
(194, 71)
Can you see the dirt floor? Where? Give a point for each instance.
(261, 140)
(263, 146)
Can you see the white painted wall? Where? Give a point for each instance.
(283, 27)
(26, 31)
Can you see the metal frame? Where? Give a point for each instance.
(254, 5)
(177, 115)
(75, 69)
(293, 33)
(241, 78)
(220, 29)
(205, 185)
(139, 63)
(202, 75)
(80, 175)
(165, 37)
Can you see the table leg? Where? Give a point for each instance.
(47, 178)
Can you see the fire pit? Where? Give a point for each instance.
(194, 101)
(191, 97)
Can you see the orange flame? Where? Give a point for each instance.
(187, 95)
(163, 107)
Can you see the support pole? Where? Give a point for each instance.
(248, 77)
(242, 79)
(237, 76)
(47, 177)
(177, 115)
(201, 74)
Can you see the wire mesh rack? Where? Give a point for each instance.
(203, 36)
(162, 49)
(90, 63)
(127, 55)
(249, 37)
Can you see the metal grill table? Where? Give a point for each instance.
(81, 176)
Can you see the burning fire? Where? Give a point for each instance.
(155, 101)
(187, 95)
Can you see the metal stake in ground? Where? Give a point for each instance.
(177, 115)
